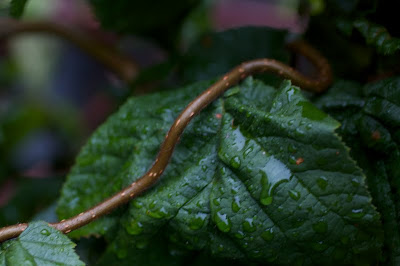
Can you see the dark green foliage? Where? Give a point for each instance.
(259, 174)
(31, 196)
(17, 7)
(371, 127)
(378, 36)
(159, 19)
(217, 53)
(39, 244)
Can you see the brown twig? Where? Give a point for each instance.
(167, 147)
(119, 64)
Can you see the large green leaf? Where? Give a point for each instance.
(39, 244)
(259, 174)
(370, 126)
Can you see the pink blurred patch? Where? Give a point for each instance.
(237, 13)
(7, 190)
(97, 110)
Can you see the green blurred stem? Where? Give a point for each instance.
(116, 62)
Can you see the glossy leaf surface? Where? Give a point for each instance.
(259, 174)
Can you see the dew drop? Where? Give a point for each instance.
(235, 190)
(320, 227)
(319, 246)
(289, 94)
(299, 132)
(322, 182)
(294, 194)
(355, 182)
(292, 148)
(357, 213)
(235, 162)
(292, 160)
(45, 232)
(217, 201)
(153, 204)
(236, 204)
(158, 214)
(268, 234)
(198, 221)
(223, 222)
(134, 228)
(238, 139)
(239, 235)
(272, 175)
(248, 225)
(137, 204)
(247, 151)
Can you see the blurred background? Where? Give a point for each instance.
(53, 95)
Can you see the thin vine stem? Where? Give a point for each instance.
(121, 65)
(192, 109)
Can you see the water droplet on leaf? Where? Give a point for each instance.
(45, 232)
(235, 162)
(248, 225)
(320, 227)
(134, 228)
(322, 182)
(236, 204)
(294, 194)
(223, 222)
(197, 222)
(268, 234)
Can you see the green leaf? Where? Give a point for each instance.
(370, 126)
(377, 35)
(17, 7)
(259, 174)
(39, 244)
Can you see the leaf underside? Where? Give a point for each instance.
(258, 175)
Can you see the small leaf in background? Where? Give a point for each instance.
(17, 7)
(158, 19)
(378, 36)
(371, 127)
(259, 174)
(217, 53)
(39, 244)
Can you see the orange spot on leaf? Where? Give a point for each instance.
(299, 160)
(376, 135)
(219, 116)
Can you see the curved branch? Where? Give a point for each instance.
(119, 64)
(176, 130)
